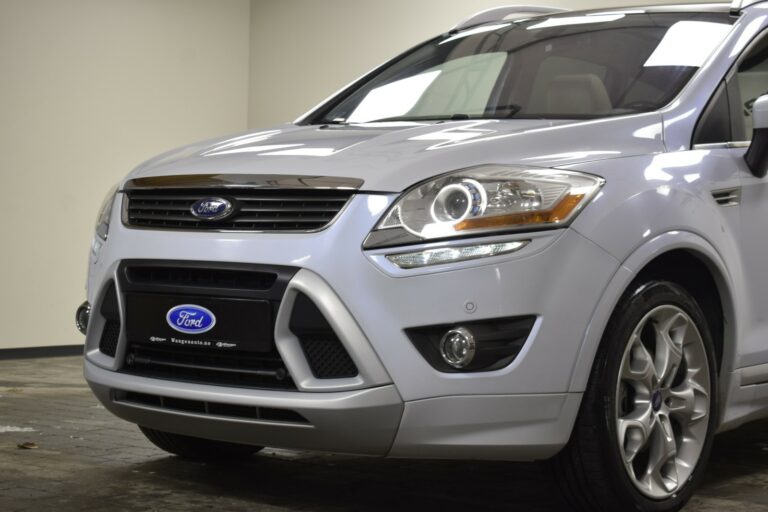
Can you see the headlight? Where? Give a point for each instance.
(485, 199)
(102, 221)
(105, 212)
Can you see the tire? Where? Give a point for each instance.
(195, 448)
(637, 394)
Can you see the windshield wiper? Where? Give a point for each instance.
(508, 111)
(333, 121)
(453, 117)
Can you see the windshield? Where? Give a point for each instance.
(565, 66)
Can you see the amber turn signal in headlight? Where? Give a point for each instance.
(484, 199)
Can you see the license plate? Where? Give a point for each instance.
(206, 323)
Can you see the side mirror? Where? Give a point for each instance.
(757, 153)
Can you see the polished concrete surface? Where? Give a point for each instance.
(85, 459)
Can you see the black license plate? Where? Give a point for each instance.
(203, 322)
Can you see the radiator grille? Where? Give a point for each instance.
(239, 369)
(253, 209)
(200, 277)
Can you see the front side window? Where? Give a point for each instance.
(749, 83)
(577, 66)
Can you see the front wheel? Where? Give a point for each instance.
(648, 416)
(195, 448)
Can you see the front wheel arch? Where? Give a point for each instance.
(650, 257)
(590, 469)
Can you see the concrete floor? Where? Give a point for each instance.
(88, 460)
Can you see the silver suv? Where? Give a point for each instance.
(534, 236)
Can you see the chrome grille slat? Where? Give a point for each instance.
(313, 209)
(291, 199)
(149, 205)
(282, 219)
(256, 209)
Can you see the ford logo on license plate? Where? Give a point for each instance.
(190, 319)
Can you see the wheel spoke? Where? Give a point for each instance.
(661, 473)
(638, 365)
(635, 431)
(669, 347)
(682, 401)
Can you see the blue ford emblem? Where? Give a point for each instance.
(190, 319)
(211, 208)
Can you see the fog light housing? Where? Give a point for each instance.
(82, 316)
(458, 347)
(498, 341)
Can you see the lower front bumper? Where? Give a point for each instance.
(360, 422)
(372, 421)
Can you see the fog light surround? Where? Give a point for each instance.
(457, 347)
(453, 254)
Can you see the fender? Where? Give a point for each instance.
(622, 278)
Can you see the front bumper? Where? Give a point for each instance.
(398, 405)
(365, 422)
(362, 421)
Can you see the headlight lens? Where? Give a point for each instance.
(105, 212)
(485, 199)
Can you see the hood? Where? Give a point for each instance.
(390, 157)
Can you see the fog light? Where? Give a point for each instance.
(458, 347)
(82, 316)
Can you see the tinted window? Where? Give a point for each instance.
(577, 66)
(749, 83)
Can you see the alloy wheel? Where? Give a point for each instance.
(662, 401)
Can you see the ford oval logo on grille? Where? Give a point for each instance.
(190, 319)
(211, 208)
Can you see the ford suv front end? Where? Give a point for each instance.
(504, 244)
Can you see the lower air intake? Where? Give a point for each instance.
(111, 332)
(326, 355)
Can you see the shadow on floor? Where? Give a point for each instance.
(335, 483)
(738, 472)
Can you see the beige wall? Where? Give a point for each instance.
(302, 51)
(88, 89)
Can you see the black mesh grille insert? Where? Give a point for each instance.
(109, 337)
(210, 408)
(253, 209)
(111, 313)
(327, 357)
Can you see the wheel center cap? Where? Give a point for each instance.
(656, 401)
